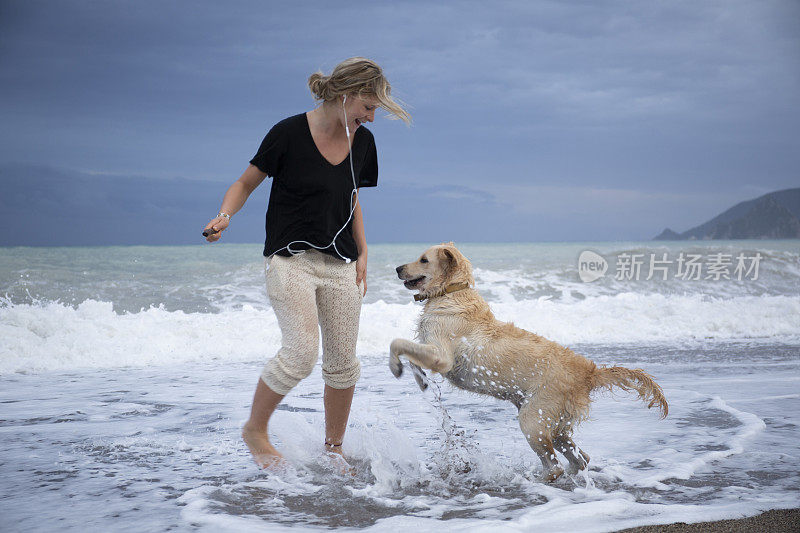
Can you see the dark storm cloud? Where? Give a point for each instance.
(607, 111)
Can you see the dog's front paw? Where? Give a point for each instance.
(396, 366)
(420, 377)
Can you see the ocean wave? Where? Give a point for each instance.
(56, 336)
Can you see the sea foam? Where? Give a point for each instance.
(56, 336)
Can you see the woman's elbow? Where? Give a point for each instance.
(252, 178)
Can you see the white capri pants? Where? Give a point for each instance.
(310, 292)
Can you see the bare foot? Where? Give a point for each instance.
(264, 453)
(341, 464)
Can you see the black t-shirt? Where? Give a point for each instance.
(310, 197)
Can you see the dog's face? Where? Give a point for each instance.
(438, 267)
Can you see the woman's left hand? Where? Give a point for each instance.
(361, 271)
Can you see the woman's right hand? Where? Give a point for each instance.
(219, 225)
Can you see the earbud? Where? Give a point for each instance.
(346, 127)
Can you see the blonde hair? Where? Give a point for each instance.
(357, 75)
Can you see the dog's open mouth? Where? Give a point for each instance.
(415, 283)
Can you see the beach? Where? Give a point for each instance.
(777, 521)
(127, 372)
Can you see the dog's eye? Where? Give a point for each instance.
(423, 260)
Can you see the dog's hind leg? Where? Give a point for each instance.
(565, 445)
(539, 438)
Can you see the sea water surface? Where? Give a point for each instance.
(127, 372)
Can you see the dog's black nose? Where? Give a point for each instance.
(399, 269)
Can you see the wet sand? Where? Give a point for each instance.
(775, 521)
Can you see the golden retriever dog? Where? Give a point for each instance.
(459, 337)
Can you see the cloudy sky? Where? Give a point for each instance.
(125, 121)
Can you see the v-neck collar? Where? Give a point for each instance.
(314, 143)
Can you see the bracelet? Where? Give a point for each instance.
(332, 445)
(221, 214)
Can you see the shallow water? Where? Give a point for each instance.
(159, 448)
(127, 418)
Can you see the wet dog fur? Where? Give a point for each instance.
(459, 337)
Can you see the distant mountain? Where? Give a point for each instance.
(775, 215)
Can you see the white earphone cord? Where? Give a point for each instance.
(353, 202)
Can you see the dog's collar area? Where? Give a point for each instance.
(447, 290)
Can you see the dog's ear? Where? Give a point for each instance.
(450, 260)
(447, 257)
(456, 266)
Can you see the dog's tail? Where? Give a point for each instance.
(627, 380)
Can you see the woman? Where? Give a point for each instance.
(315, 248)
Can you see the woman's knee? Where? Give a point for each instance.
(342, 376)
(299, 360)
(284, 371)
